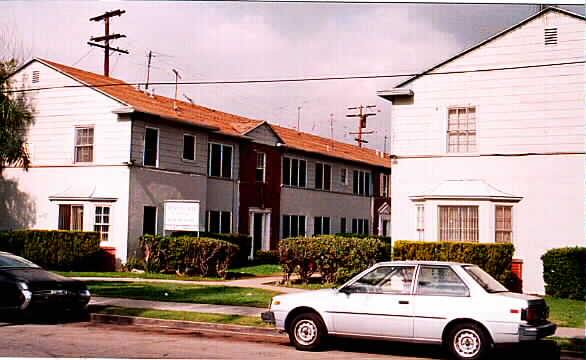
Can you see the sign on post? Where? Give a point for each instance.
(182, 215)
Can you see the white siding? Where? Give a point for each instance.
(59, 111)
(518, 111)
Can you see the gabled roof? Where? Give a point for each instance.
(546, 10)
(466, 189)
(213, 120)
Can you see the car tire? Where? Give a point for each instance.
(468, 341)
(306, 332)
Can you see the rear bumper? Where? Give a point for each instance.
(268, 316)
(536, 332)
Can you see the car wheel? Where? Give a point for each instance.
(468, 341)
(306, 331)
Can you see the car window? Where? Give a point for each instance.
(440, 280)
(385, 279)
(13, 261)
(484, 279)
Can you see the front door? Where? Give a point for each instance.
(259, 231)
(379, 304)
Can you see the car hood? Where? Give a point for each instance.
(310, 296)
(40, 279)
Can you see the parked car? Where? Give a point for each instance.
(26, 287)
(457, 305)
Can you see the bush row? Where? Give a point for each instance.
(187, 254)
(496, 259)
(243, 242)
(337, 258)
(55, 249)
(563, 272)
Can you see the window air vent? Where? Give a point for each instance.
(36, 76)
(551, 36)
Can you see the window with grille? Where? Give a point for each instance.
(102, 222)
(360, 226)
(293, 225)
(462, 129)
(321, 225)
(70, 217)
(323, 176)
(261, 165)
(361, 184)
(420, 222)
(219, 222)
(84, 144)
(294, 172)
(220, 156)
(188, 147)
(503, 224)
(458, 223)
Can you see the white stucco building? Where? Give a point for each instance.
(488, 146)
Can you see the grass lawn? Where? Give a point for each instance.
(184, 316)
(236, 273)
(196, 294)
(565, 312)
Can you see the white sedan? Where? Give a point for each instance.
(458, 305)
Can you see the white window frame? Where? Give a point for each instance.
(467, 133)
(220, 213)
(366, 188)
(194, 148)
(344, 176)
(298, 169)
(385, 185)
(261, 166)
(469, 233)
(71, 204)
(323, 184)
(101, 224)
(144, 147)
(497, 230)
(77, 146)
(222, 175)
(298, 225)
(420, 221)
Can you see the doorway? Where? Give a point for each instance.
(260, 221)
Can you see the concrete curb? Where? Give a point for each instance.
(185, 325)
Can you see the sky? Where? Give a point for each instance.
(226, 41)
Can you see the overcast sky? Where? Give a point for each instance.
(212, 41)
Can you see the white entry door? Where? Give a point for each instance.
(260, 221)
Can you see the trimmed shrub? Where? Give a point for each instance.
(243, 242)
(564, 272)
(336, 258)
(186, 254)
(495, 259)
(55, 249)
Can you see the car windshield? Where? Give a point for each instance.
(484, 279)
(13, 261)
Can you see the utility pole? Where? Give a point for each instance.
(148, 70)
(362, 115)
(107, 37)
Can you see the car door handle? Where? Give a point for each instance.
(403, 302)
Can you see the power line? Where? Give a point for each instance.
(328, 78)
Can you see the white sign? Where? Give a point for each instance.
(182, 215)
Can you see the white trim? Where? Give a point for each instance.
(210, 143)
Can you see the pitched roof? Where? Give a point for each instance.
(548, 9)
(222, 122)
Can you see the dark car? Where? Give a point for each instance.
(28, 288)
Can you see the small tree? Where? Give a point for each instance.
(16, 115)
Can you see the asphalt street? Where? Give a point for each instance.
(92, 340)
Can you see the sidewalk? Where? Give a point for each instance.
(260, 283)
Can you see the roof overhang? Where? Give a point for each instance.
(394, 93)
(472, 190)
(131, 110)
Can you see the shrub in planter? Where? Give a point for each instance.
(563, 272)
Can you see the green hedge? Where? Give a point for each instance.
(496, 259)
(564, 272)
(243, 242)
(55, 249)
(337, 258)
(262, 257)
(187, 254)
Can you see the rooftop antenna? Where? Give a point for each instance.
(177, 78)
(362, 115)
(332, 129)
(298, 117)
(188, 99)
